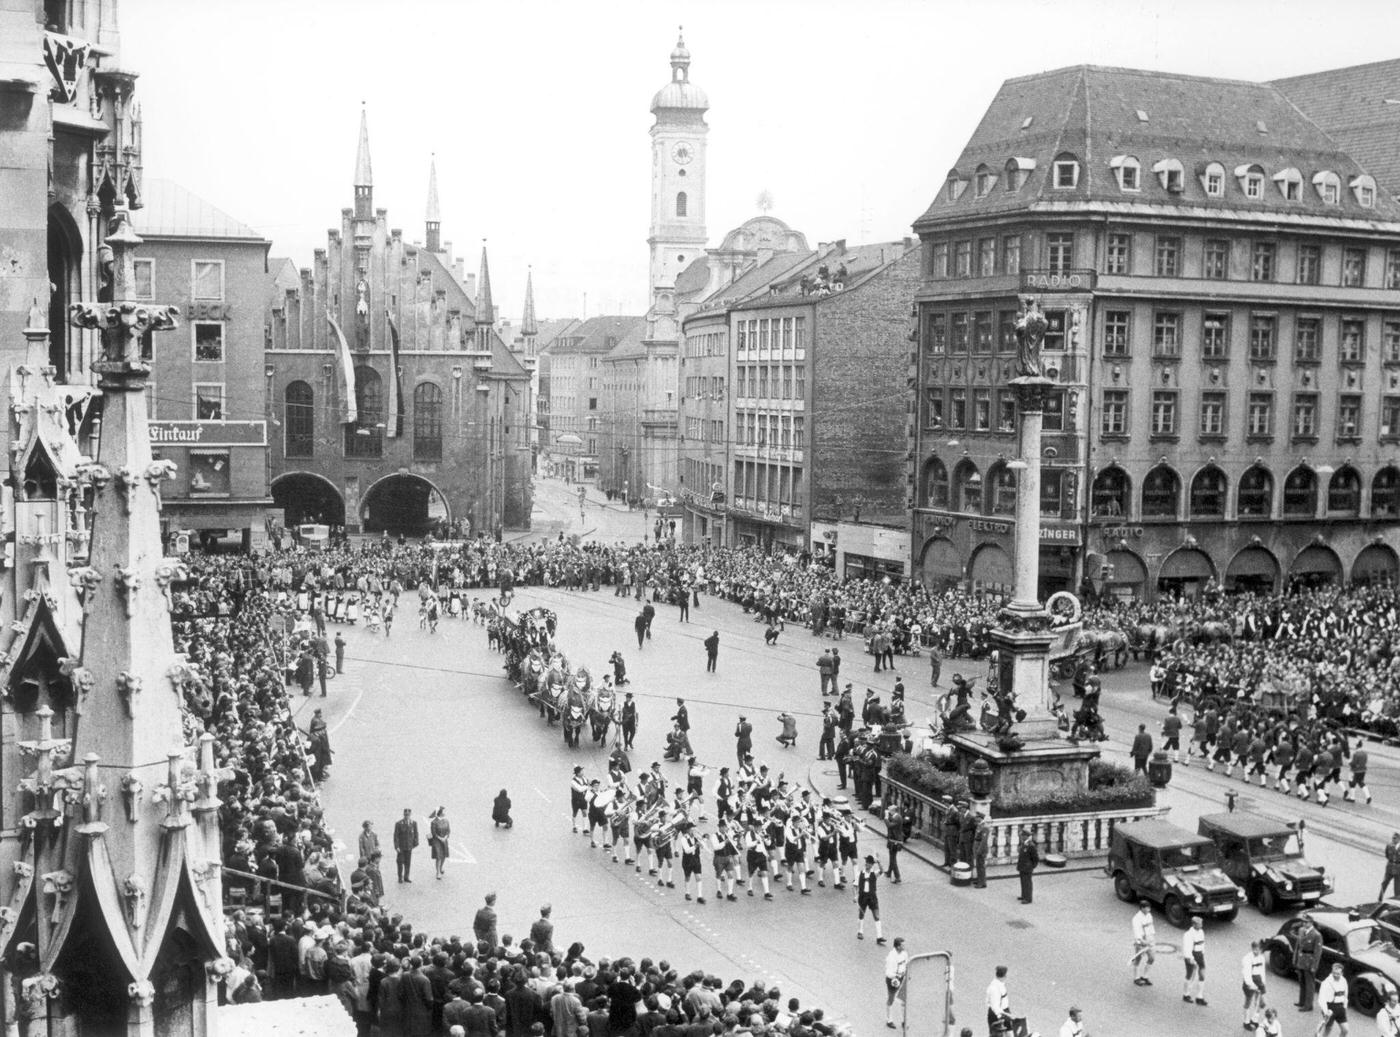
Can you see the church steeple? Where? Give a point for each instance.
(432, 217)
(364, 177)
(485, 312)
(529, 327)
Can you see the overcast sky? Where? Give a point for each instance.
(847, 113)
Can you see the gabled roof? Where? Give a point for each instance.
(1096, 114)
(632, 344)
(596, 335)
(174, 212)
(756, 279)
(1356, 107)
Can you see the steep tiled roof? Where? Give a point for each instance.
(1097, 114)
(172, 211)
(1357, 107)
(861, 262)
(756, 279)
(597, 335)
(631, 344)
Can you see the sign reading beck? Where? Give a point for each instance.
(208, 433)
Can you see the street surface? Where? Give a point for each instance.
(425, 720)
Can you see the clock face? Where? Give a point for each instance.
(683, 152)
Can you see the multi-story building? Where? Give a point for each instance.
(1223, 290)
(395, 405)
(577, 412)
(814, 351)
(208, 392)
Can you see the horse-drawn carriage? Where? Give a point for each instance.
(1076, 645)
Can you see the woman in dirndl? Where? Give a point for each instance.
(352, 610)
(438, 832)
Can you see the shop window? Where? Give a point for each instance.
(209, 473)
(1300, 493)
(1344, 492)
(1256, 493)
(1161, 493)
(1208, 490)
(967, 488)
(1111, 492)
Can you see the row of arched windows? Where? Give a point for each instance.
(1208, 496)
(366, 437)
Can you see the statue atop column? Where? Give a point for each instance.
(1030, 333)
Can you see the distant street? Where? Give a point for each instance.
(425, 720)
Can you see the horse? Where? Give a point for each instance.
(1109, 648)
(554, 686)
(1212, 632)
(577, 704)
(532, 673)
(603, 714)
(1148, 639)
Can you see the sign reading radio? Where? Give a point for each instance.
(1058, 280)
(208, 433)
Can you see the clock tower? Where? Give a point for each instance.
(677, 190)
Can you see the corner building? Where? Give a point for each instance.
(1223, 290)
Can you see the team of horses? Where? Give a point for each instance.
(565, 695)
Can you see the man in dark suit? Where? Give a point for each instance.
(523, 1007)
(743, 735)
(405, 840)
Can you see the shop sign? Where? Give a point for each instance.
(1121, 532)
(1058, 281)
(978, 525)
(208, 433)
(1059, 535)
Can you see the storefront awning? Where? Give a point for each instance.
(1317, 559)
(1253, 561)
(1187, 564)
(1375, 563)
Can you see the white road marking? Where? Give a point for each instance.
(462, 857)
(543, 796)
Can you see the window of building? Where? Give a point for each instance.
(1307, 340)
(427, 422)
(209, 401)
(1006, 412)
(1263, 342)
(1309, 264)
(962, 259)
(1168, 256)
(936, 329)
(298, 420)
(1329, 186)
(799, 383)
(1217, 259)
(1352, 343)
(1215, 336)
(210, 473)
(1353, 267)
(1011, 254)
(208, 341)
(1385, 493)
(1208, 493)
(986, 257)
(1059, 252)
(982, 332)
(1300, 493)
(1116, 325)
(1164, 412)
(1344, 492)
(1349, 417)
(1212, 414)
(1214, 180)
(1390, 341)
(933, 408)
(1003, 489)
(1254, 185)
(145, 286)
(208, 280)
(365, 438)
(984, 180)
(1390, 417)
(1119, 258)
(1006, 335)
(1256, 493)
(1054, 340)
(1017, 171)
(967, 488)
(1066, 172)
(1363, 187)
(680, 203)
(1261, 414)
(593, 402)
(1161, 493)
(1052, 492)
(1392, 269)
(1111, 492)
(1054, 416)
(1290, 184)
(939, 260)
(1114, 416)
(1261, 267)
(958, 323)
(954, 186)
(1305, 415)
(957, 408)
(1169, 174)
(936, 483)
(982, 410)
(1166, 335)
(1129, 172)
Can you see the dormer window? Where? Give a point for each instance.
(1290, 184)
(955, 186)
(1066, 172)
(1017, 172)
(1251, 178)
(1213, 180)
(1329, 187)
(1170, 175)
(1363, 187)
(985, 180)
(1129, 172)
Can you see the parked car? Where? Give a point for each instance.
(1370, 959)
(1175, 869)
(1262, 857)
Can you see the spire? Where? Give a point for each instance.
(432, 218)
(485, 312)
(680, 59)
(529, 327)
(364, 177)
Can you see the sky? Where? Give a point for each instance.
(848, 114)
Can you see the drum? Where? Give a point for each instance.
(1054, 860)
(962, 874)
